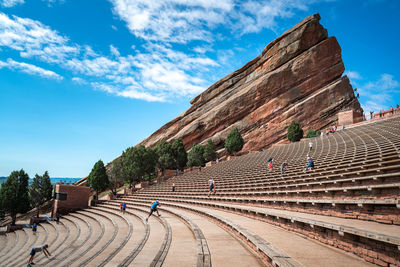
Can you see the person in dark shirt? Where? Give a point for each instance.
(283, 167)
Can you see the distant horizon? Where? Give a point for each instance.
(53, 180)
(1, 177)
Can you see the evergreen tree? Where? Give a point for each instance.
(98, 178)
(209, 151)
(149, 161)
(195, 156)
(137, 162)
(165, 156)
(116, 174)
(47, 186)
(131, 167)
(40, 191)
(14, 194)
(234, 141)
(180, 153)
(295, 133)
(310, 133)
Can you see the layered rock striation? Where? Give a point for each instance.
(298, 76)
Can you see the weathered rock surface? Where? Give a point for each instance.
(298, 77)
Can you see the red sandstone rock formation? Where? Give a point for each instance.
(298, 77)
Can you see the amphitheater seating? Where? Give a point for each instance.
(257, 217)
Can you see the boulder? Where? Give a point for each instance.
(298, 76)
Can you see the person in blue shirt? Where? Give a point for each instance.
(123, 207)
(310, 164)
(153, 208)
(34, 228)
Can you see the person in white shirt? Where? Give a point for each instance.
(38, 249)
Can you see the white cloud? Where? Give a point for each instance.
(78, 80)
(114, 51)
(11, 3)
(353, 75)
(29, 69)
(33, 39)
(114, 28)
(386, 82)
(132, 93)
(157, 73)
(377, 95)
(181, 21)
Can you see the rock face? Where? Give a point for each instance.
(298, 77)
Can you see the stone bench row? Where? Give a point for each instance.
(385, 244)
(385, 211)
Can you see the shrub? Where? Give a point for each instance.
(295, 133)
(310, 133)
(179, 152)
(195, 156)
(209, 151)
(14, 196)
(165, 156)
(98, 178)
(234, 141)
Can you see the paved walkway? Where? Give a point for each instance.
(387, 229)
(305, 251)
(153, 244)
(183, 250)
(225, 250)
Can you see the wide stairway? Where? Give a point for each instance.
(344, 212)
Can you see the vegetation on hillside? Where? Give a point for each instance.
(40, 191)
(195, 156)
(14, 196)
(234, 141)
(165, 156)
(310, 133)
(209, 151)
(98, 178)
(180, 154)
(295, 133)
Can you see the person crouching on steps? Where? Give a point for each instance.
(38, 249)
(153, 208)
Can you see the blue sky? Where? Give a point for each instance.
(83, 80)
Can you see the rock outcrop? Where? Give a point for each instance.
(298, 77)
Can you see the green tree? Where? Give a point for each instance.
(149, 161)
(47, 186)
(180, 154)
(165, 156)
(310, 133)
(318, 132)
(209, 151)
(295, 133)
(234, 141)
(137, 162)
(14, 194)
(2, 213)
(195, 156)
(40, 191)
(116, 174)
(98, 178)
